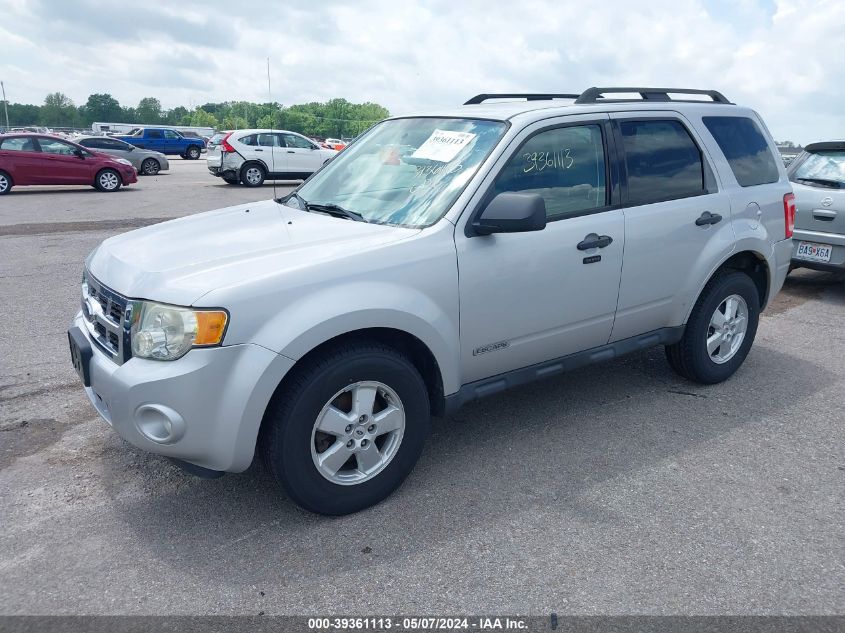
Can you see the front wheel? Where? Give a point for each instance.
(107, 180)
(347, 428)
(192, 153)
(720, 330)
(150, 167)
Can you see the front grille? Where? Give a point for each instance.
(107, 317)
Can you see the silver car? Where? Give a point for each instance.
(147, 162)
(440, 258)
(818, 180)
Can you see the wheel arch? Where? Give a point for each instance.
(749, 261)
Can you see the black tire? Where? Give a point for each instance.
(193, 152)
(232, 181)
(286, 438)
(253, 175)
(6, 183)
(689, 357)
(150, 167)
(107, 180)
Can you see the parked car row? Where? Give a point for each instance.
(41, 159)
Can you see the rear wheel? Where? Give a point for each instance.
(5, 183)
(720, 330)
(253, 175)
(192, 153)
(150, 167)
(107, 180)
(347, 428)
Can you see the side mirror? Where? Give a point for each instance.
(512, 212)
(79, 153)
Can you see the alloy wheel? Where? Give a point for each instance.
(727, 328)
(109, 181)
(358, 433)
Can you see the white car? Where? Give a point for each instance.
(252, 156)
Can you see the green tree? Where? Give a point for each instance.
(58, 111)
(101, 107)
(201, 118)
(175, 116)
(149, 110)
(234, 122)
(21, 114)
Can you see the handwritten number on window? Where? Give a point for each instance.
(538, 161)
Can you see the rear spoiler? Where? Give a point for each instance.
(825, 146)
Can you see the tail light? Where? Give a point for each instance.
(789, 213)
(224, 145)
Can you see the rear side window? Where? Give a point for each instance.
(154, 134)
(565, 166)
(18, 144)
(249, 140)
(662, 161)
(746, 149)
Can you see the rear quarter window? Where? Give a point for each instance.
(746, 149)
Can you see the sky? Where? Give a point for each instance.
(784, 58)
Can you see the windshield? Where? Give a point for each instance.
(823, 166)
(405, 172)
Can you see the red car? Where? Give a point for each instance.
(41, 159)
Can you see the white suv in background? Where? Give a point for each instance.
(252, 156)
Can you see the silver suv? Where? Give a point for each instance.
(440, 258)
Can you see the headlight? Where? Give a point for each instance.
(123, 161)
(163, 332)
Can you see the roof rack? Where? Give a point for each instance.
(596, 95)
(528, 96)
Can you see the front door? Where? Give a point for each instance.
(173, 143)
(61, 165)
(302, 155)
(532, 297)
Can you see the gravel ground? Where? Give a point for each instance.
(614, 490)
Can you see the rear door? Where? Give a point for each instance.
(19, 156)
(153, 139)
(271, 151)
(62, 166)
(302, 154)
(677, 221)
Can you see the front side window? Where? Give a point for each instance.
(53, 146)
(405, 172)
(292, 140)
(565, 166)
(169, 134)
(824, 168)
(18, 144)
(745, 147)
(662, 161)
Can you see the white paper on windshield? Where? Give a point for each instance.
(443, 145)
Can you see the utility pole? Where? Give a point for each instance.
(5, 104)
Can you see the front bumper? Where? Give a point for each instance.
(837, 255)
(205, 408)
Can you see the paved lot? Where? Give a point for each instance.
(618, 489)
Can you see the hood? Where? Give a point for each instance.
(181, 260)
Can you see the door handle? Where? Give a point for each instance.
(259, 150)
(290, 151)
(824, 215)
(595, 241)
(708, 218)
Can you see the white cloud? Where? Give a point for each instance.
(784, 58)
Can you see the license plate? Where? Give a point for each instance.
(80, 354)
(814, 252)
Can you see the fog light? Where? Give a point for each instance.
(159, 424)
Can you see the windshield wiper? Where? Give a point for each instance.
(335, 210)
(824, 182)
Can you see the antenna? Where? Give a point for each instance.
(273, 147)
